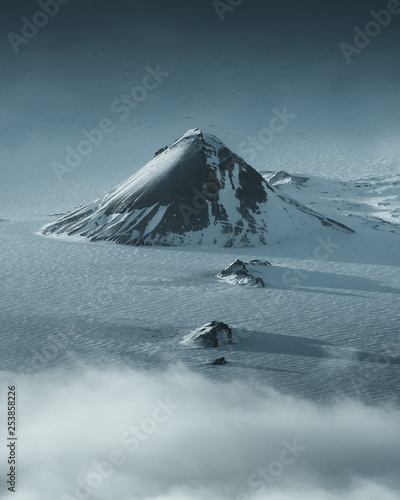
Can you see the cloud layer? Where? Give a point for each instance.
(126, 434)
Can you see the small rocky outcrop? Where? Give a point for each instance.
(219, 361)
(244, 273)
(210, 335)
(159, 151)
(283, 177)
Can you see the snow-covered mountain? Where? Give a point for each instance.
(195, 191)
(374, 201)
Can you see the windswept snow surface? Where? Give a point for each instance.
(329, 313)
(373, 201)
(92, 336)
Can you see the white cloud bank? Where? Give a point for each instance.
(123, 434)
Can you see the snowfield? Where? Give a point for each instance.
(96, 329)
(117, 399)
(329, 312)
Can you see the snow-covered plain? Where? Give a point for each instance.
(91, 332)
(339, 293)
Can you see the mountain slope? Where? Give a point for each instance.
(373, 202)
(195, 191)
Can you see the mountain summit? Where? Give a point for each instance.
(195, 191)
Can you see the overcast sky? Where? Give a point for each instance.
(227, 72)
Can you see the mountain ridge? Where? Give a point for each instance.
(195, 191)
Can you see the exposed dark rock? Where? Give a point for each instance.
(259, 262)
(237, 267)
(219, 361)
(244, 273)
(211, 335)
(160, 151)
(260, 282)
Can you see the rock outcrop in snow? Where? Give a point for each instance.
(210, 335)
(219, 361)
(195, 191)
(244, 273)
(282, 177)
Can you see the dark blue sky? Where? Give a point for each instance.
(225, 77)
